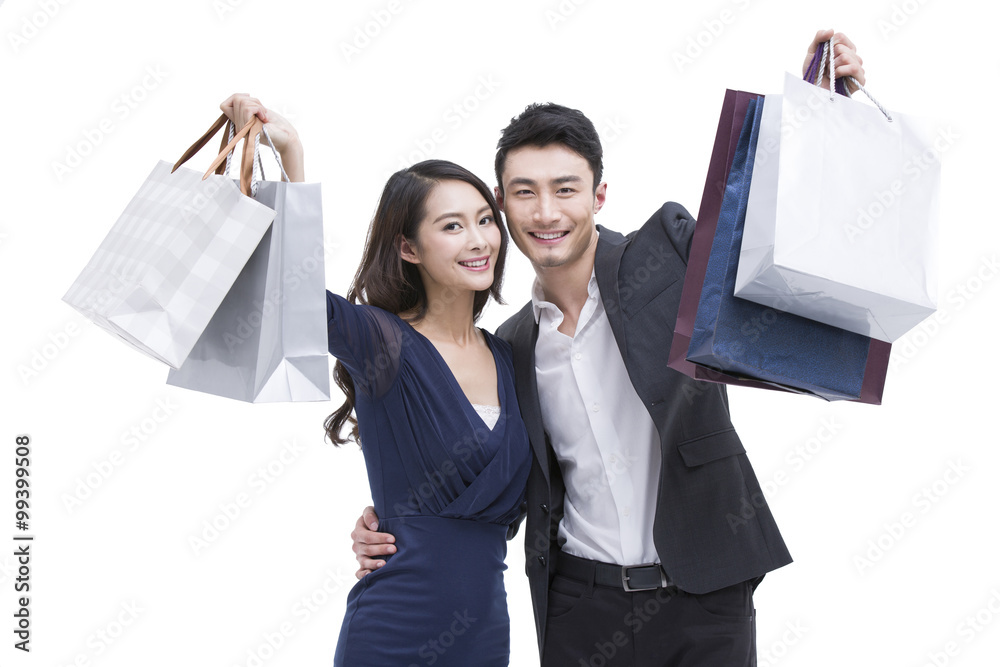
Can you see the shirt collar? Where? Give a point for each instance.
(538, 302)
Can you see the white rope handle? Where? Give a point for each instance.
(828, 51)
(255, 179)
(229, 155)
(274, 150)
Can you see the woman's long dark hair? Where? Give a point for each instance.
(385, 280)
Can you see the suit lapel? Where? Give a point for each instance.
(610, 247)
(523, 344)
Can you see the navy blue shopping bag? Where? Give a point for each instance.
(747, 339)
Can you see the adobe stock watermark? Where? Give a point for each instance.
(618, 463)
(608, 646)
(801, 455)
(452, 119)
(796, 458)
(34, 23)
(966, 631)
(709, 32)
(899, 15)
(223, 8)
(913, 168)
(7, 571)
(41, 357)
(558, 14)
(258, 482)
(93, 301)
(435, 647)
(377, 22)
(907, 348)
(121, 107)
(611, 130)
(921, 503)
(301, 612)
(292, 278)
(246, 326)
(130, 441)
(445, 473)
(107, 635)
(775, 652)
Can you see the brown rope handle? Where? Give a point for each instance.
(250, 130)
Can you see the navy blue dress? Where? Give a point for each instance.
(444, 484)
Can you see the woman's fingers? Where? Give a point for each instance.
(241, 107)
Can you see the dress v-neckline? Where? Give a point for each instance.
(454, 381)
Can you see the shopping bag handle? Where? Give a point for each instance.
(251, 172)
(203, 141)
(252, 128)
(814, 74)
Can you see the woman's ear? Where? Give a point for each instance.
(408, 251)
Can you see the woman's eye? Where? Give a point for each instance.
(487, 220)
(451, 226)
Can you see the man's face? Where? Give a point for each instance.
(549, 202)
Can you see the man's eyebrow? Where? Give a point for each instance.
(520, 180)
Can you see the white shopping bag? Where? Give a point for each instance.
(268, 340)
(167, 263)
(841, 224)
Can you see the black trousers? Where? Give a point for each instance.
(591, 625)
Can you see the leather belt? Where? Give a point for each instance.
(644, 577)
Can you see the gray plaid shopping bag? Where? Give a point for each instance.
(171, 257)
(268, 341)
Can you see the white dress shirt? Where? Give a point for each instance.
(606, 443)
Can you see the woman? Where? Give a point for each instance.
(437, 417)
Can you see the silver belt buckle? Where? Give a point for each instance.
(625, 577)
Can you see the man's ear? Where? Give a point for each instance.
(600, 194)
(498, 195)
(408, 251)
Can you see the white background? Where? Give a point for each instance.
(78, 392)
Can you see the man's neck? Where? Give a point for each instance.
(566, 286)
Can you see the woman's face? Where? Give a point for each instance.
(457, 241)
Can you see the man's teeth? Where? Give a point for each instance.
(478, 262)
(550, 236)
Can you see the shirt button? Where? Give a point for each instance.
(541, 559)
(597, 407)
(625, 511)
(578, 356)
(612, 459)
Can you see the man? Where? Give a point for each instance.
(631, 551)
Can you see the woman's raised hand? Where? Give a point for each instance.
(241, 107)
